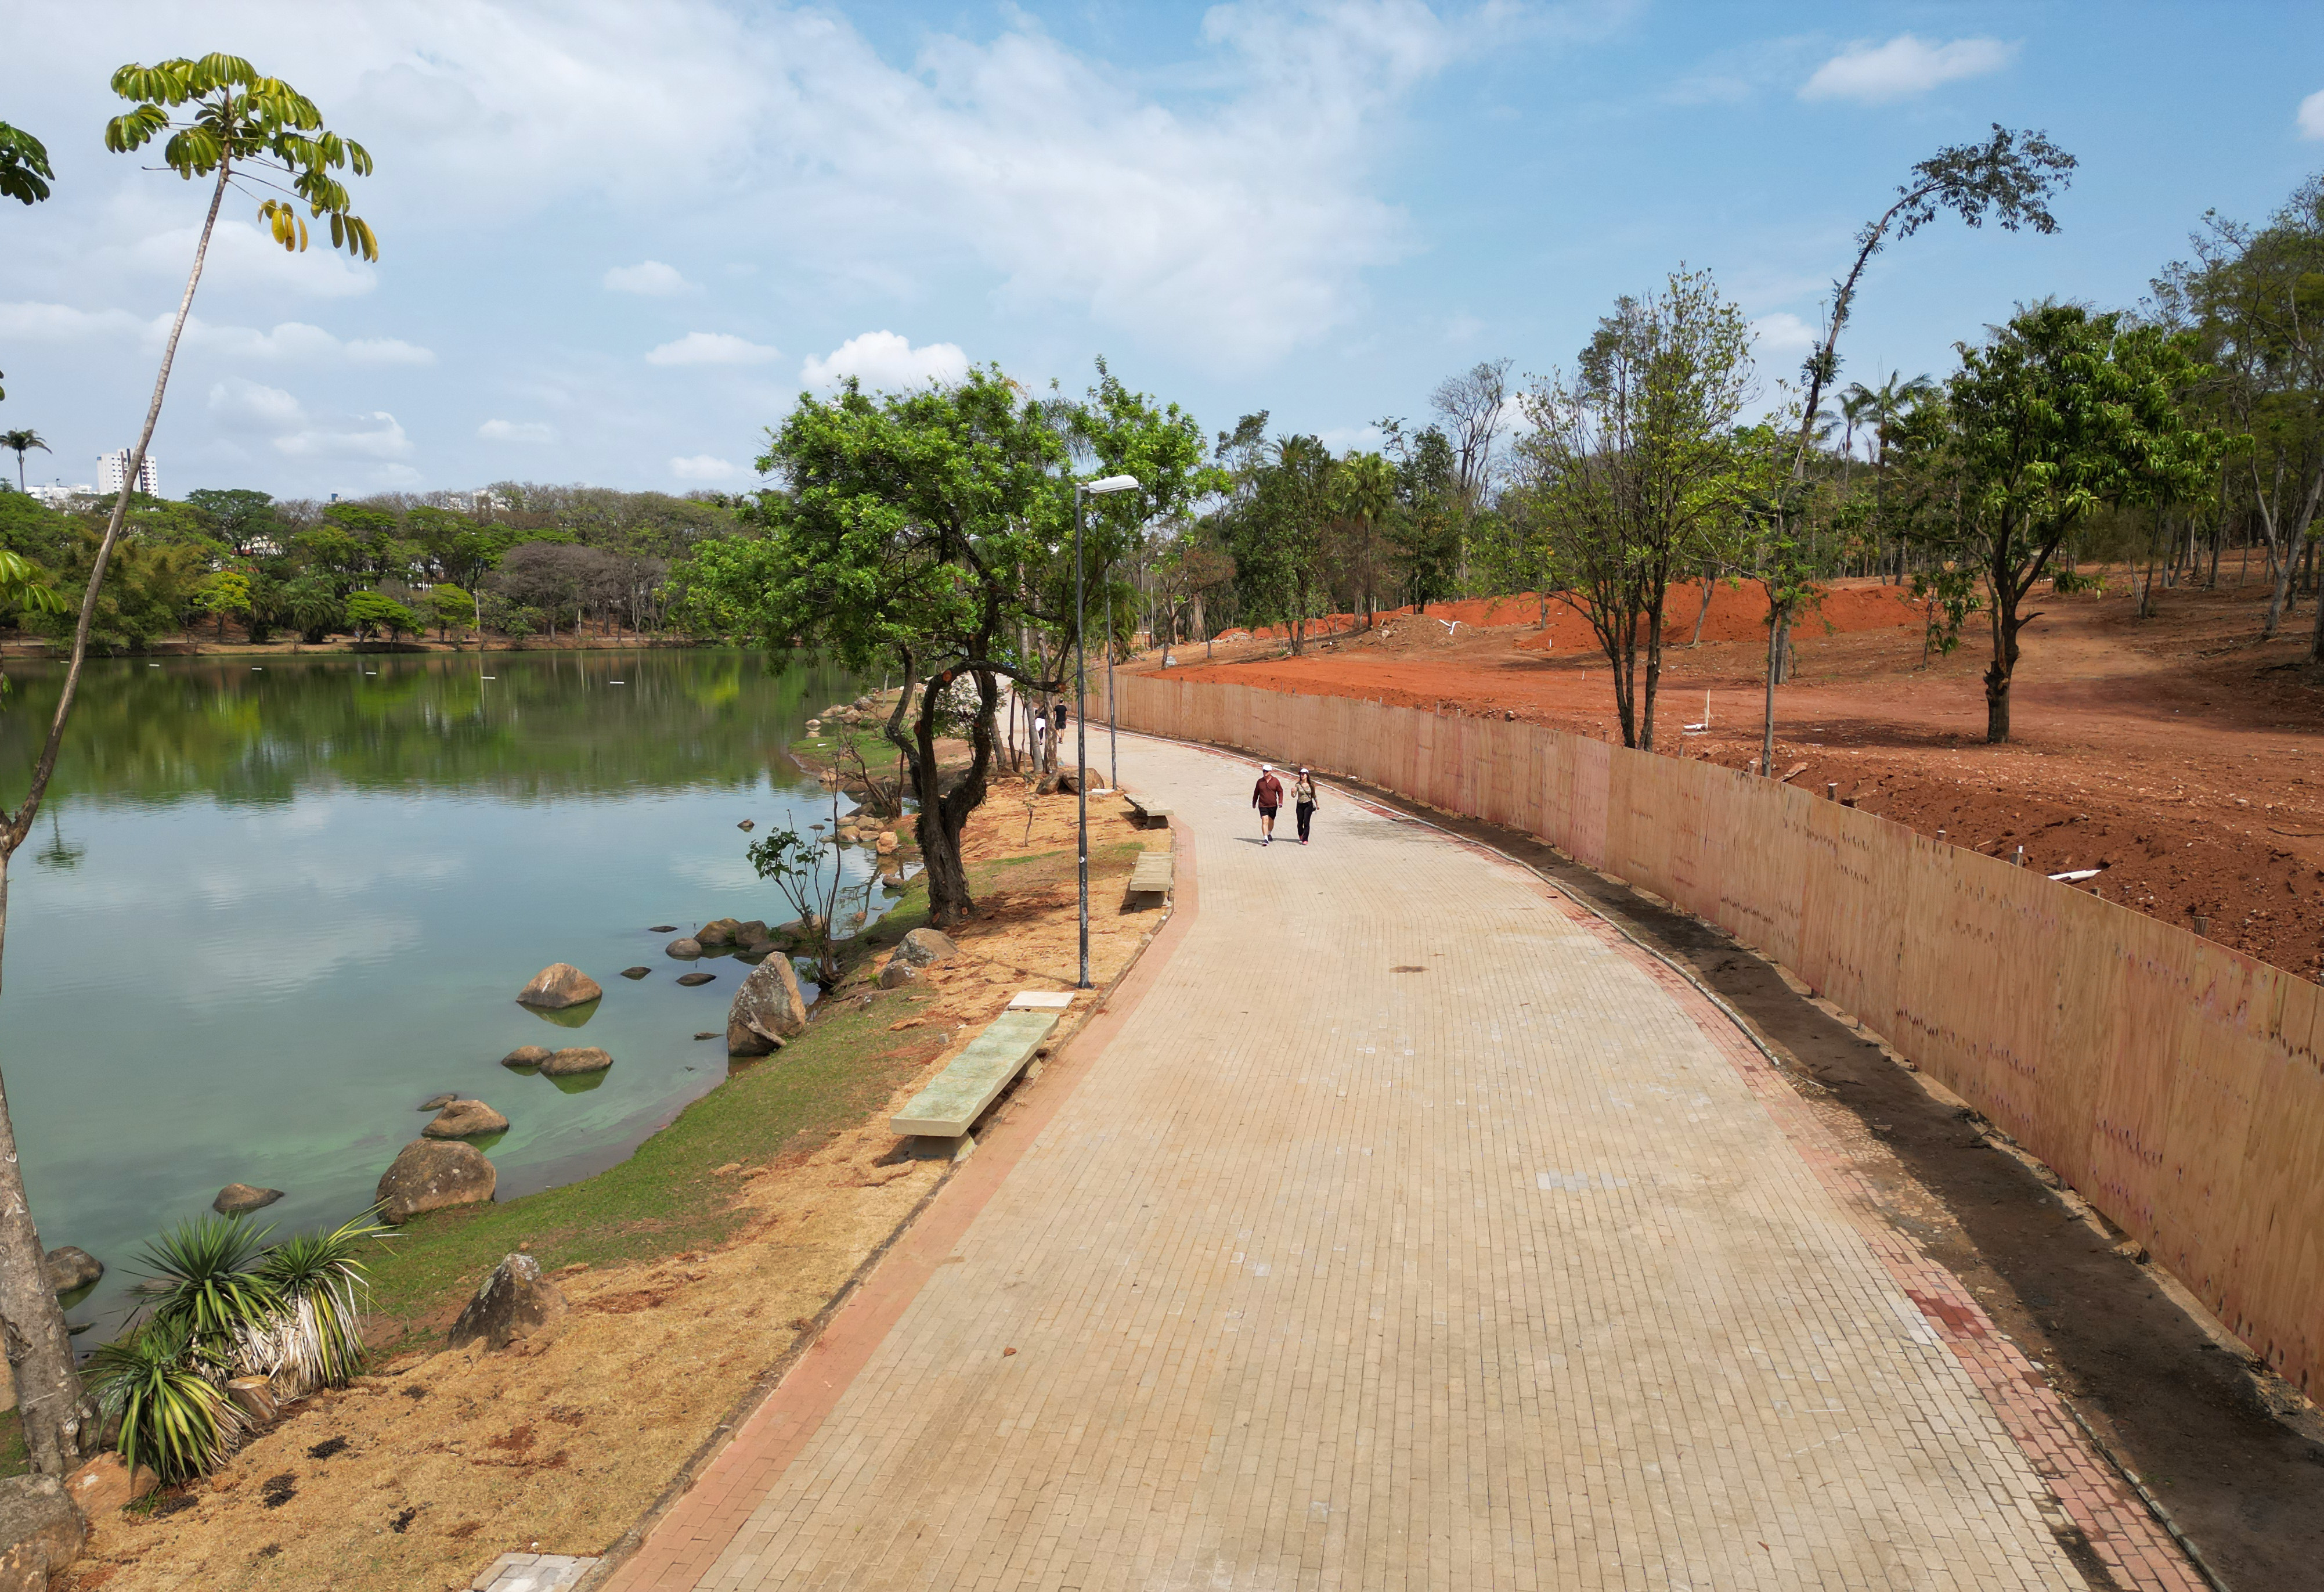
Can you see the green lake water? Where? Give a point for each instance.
(269, 910)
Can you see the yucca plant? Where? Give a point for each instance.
(175, 1419)
(315, 1339)
(203, 1276)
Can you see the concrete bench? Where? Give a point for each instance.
(952, 1101)
(1150, 815)
(1151, 877)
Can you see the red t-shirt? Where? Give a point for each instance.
(1269, 792)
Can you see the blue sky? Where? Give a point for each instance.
(617, 239)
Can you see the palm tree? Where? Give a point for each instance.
(1367, 483)
(1881, 408)
(23, 442)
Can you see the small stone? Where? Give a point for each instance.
(924, 948)
(887, 843)
(430, 1174)
(559, 985)
(747, 825)
(513, 1303)
(896, 973)
(685, 950)
(574, 1061)
(689, 980)
(663, 928)
(42, 1528)
(525, 1056)
(466, 1119)
(104, 1485)
(436, 1102)
(71, 1266)
(707, 1033)
(635, 972)
(237, 1198)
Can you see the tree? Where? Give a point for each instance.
(1630, 467)
(245, 518)
(2058, 412)
(223, 596)
(20, 443)
(1475, 408)
(922, 532)
(25, 174)
(368, 611)
(450, 607)
(1366, 485)
(234, 119)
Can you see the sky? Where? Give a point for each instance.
(620, 237)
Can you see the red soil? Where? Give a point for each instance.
(2179, 754)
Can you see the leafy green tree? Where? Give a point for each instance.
(2058, 411)
(1366, 488)
(368, 611)
(313, 607)
(25, 174)
(227, 123)
(1631, 465)
(20, 443)
(451, 608)
(223, 596)
(923, 533)
(242, 517)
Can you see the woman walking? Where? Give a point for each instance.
(1303, 801)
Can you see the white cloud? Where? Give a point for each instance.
(1906, 65)
(249, 407)
(241, 256)
(886, 362)
(2311, 116)
(289, 341)
(500, 431)
(712, 348)
(1782, 336)
(703, 467)
(649, 278)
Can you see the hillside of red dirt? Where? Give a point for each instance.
(2178, 753)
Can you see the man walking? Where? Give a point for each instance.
(1267, 797)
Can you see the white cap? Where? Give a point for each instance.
(1267, 768)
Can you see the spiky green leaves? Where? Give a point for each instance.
(233, 118)
(174, 1418)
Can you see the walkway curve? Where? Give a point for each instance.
(1414, 1229)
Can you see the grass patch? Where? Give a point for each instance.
(663, 1199)
(16, 1458)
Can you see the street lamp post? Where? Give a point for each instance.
(1081, 689)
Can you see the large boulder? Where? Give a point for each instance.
(576, 1059)
(430, 1174)
(717, 931)
(559, 985)
(768, 1009)
(241, 1199)
(525, 1056)
(514, 1302)
(750, 931)
(42, 1530)
(71, 1266)
(924, 948)
(685, 948)
(466, 1119)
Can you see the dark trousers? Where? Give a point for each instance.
(1306, 811)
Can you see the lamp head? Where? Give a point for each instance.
(1110, 483)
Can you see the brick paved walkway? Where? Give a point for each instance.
(1412, 1230)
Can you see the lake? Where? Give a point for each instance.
(273, 903)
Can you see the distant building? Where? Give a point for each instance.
(58, 495)
(112, 467)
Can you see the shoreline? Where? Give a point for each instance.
(44, 652)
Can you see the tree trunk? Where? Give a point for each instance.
(1701, 614)
(1998, 672)
(1654, 670)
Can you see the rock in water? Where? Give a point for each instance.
(559, 985)
(430, 1174)
(757, 950)
(769, 1008)
(514, 1302)
(712, 935)
(686, 949)
(436, 1102)
(924, 948)
(663, 928)
(237, 1198)
(747, 825)
(525, 1056)
(466, 1119)
(577, 1059)
(691, 979)
(635, 972)
(750, 931)
(71, 1266)
(42, 1529)
(887, 843)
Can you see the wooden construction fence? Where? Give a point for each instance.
(2171, 1081)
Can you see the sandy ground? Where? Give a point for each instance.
(420, 1476)
(2178, 753)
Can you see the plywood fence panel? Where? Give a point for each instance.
(2270, 1300)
